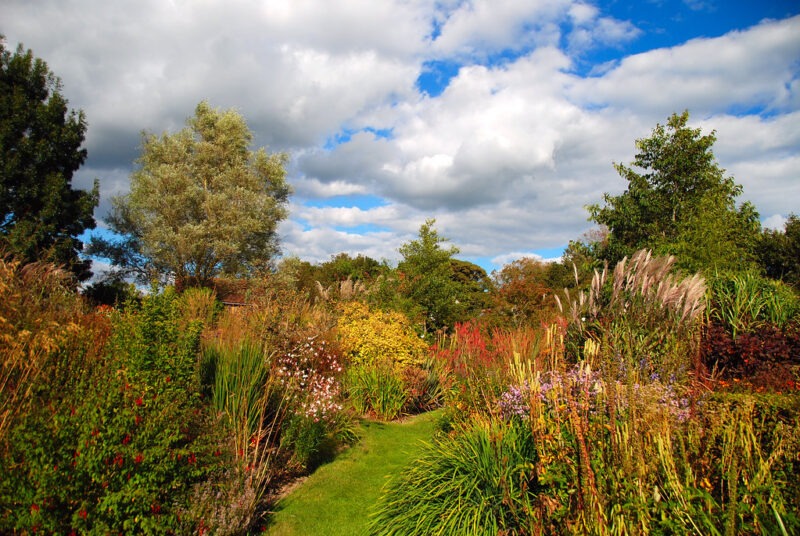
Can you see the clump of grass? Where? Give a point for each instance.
(253, 405)
(478, 481)
(646, 319)
(746, 301)
(376, 389)
(38, 314)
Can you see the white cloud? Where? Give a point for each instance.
(741, 70)
(592, 29)
(776, 222)
(505, 158)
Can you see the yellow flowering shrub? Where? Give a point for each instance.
(370, 336)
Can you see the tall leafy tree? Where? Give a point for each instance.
(201, 204)
(41, 214)
(427, 278)
(475, 287)
(680, 202)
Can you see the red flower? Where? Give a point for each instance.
(126, 439)
(139, 401)
(192, 458)
(83, 514)
(138, 419)
(34, 507)
(139, 458)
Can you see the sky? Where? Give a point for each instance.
(501, 119)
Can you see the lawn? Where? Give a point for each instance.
(337, 497)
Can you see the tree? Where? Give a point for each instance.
(342, 267)
(681, 203)
(523, 293)
(779, 252)
(41, 215)
(201, 204)
(475, 286)
(427, 278)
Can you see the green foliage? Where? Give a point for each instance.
(779, 252)
(479, 481)
(342, 266)
(376, 389)
(427, 279)
(41, 215)
(201, 203)
(113, 291)
(253, 407)
(116, 439)
(745, 301)
(240, 375)
(475, 288)
(682, 204)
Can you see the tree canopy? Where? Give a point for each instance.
(428, 279)
(680, 203)
(201, 203)
(524, 289)
(779, 252)
(41, 214)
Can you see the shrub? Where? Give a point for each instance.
(425, 390)
(372, 336)
(476, 362)
(753, 330)
(744, 302)
(573, 453)
(253, 407)
(115, 441)
(311, 373)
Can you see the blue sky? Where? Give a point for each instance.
(499, 118)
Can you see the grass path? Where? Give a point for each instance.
(337, 497)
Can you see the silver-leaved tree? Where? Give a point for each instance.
(201, 204)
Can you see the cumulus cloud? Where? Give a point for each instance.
(741, 70)
(506, 157)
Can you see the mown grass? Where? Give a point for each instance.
(337, 498)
